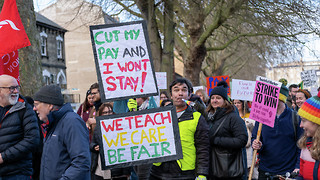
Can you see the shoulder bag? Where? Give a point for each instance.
(226, 164)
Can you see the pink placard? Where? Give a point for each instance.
(265, 101)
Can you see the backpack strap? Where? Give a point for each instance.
(315, 170)
(295, 123)
(224, 119)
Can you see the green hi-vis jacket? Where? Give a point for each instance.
(193, 130)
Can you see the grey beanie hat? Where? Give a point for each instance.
(50, 94)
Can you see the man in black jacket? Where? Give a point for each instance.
(19, 132)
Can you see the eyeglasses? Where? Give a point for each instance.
(107, 112)
(12, 88)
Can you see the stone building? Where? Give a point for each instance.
(292, 71)
(76, 16)
(52, 51)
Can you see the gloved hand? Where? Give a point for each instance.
(201, 177)
(132, 105)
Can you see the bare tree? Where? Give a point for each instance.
(270, 28)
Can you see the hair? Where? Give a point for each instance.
(314, 149)
(306, 93)
(94, 86)
(204, 94)
(165, 93)
(106, 104)
(85, 104)
(245, 108)
(164, 102)
(293, 86)
(182, 81)
(228, 106)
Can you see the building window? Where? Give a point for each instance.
(46, 80)
(59, 46)
(59, 49)
(43, 43)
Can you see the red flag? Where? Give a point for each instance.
(10, 65)
(12, 33)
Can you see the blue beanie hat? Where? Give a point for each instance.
(221, 89)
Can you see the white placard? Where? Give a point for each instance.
(143, 136)
(123, 60)
(161, 80)
(309, 78)
(242, 89)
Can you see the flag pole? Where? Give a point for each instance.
(255, 152)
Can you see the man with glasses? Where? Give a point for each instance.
(91, 123)
(19, 132)
(293, 89)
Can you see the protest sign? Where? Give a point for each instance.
(309, 78)
(213, 81)
(196, 88)
(139, 137)
(265, 101)
(161, 80)
(123, 60)
(242, 89)
(314, 91)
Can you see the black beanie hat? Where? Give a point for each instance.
(50, 94)
(221, 89)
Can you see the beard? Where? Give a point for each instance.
(13, 98)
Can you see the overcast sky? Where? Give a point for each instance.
(40, 4)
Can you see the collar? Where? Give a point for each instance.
(97, 104)
(183, 109)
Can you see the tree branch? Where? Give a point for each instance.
(128, 9)
(255, 34)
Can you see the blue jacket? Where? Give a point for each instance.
(18, 138)
(66, 153)
(279, 153)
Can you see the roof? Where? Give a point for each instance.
(42, 20)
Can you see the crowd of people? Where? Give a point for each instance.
(217, 137)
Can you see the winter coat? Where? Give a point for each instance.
(279, 152)
(19, 136)
(172, 169)
(84, 115)
(309, 167)
(66, 153)
(96, 140)
(232, 135)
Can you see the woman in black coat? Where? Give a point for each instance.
(229, 139)
(96, 172)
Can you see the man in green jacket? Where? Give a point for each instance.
(194, 140)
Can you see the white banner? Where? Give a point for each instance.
(123, 60)
(242, 89)
(309, 78)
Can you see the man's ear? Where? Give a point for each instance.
(189, 95)
(51, 107)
